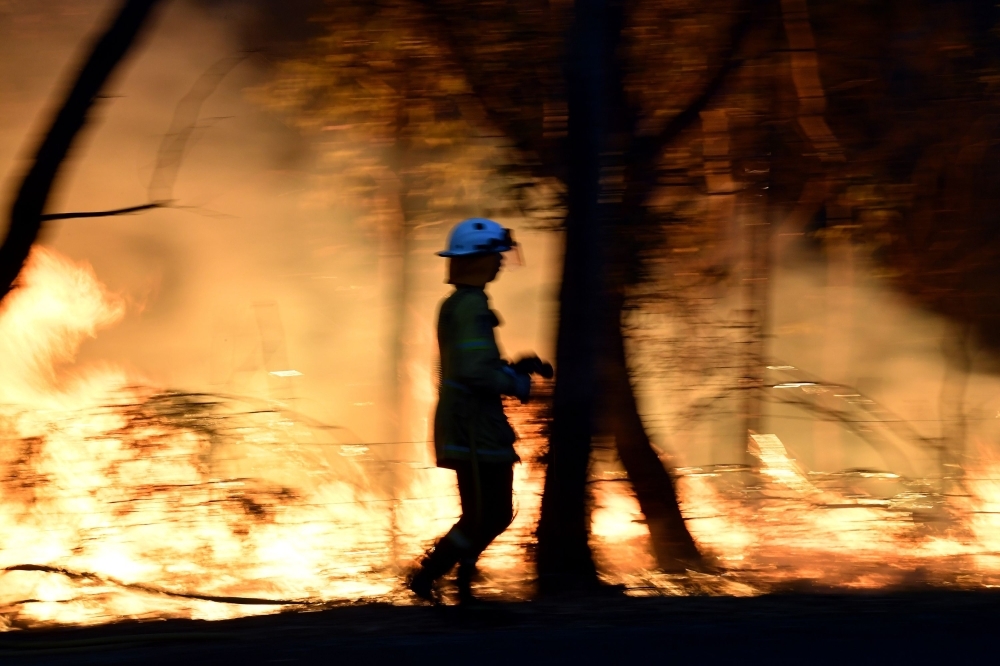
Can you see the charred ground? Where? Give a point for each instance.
(916, 626)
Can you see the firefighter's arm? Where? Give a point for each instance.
(479, 366)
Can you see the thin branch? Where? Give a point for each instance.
(156, 589)
(103, 213)
(173, 145)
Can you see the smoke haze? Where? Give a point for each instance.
(258, 268)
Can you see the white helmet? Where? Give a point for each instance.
(477, 235)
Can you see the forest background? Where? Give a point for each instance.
(853, 137)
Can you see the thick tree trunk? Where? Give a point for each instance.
(564, 557)
(602, 138)
(672, 544)
(26, 213)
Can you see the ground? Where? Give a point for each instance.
(925, 626)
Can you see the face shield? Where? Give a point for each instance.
(508, 248)
(513, 257)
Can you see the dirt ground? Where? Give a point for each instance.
(927, 626)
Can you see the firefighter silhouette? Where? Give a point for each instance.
(471, 433)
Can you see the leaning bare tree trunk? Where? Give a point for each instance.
(654, 488)
(26, 214)
(672, 544)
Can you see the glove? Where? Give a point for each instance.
(532, 365)
(522, 383)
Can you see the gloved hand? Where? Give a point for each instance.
(532, 365)
(522, 383)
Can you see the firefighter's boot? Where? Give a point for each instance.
(466, 572)
(435, 564)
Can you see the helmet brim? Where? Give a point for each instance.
(448, 254)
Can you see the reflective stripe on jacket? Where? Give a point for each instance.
(469, 420)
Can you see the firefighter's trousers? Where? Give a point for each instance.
(487, 510)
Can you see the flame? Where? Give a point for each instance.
(43, 322)
(142, 489)
(119, 499)
(124, 500)
(795, 530)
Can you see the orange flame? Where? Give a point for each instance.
(119, 500)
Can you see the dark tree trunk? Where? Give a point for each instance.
(672, 544)
(602, 217)
(26, 213)
(564, 557)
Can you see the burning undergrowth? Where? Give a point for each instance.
(120, 500)
(192, 496)
(110, 492)
(780, 526)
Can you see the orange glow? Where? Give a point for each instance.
(155, 494)
(123, 500)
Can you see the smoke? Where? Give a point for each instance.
(261, 269)
(857, 376)
(258, 268)
(259, 282)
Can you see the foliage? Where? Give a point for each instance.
(397, 127)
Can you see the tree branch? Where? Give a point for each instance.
(534, 155)
(26, 217)
(647, 149)
(48, 217)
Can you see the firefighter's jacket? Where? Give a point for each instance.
(469, 423)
